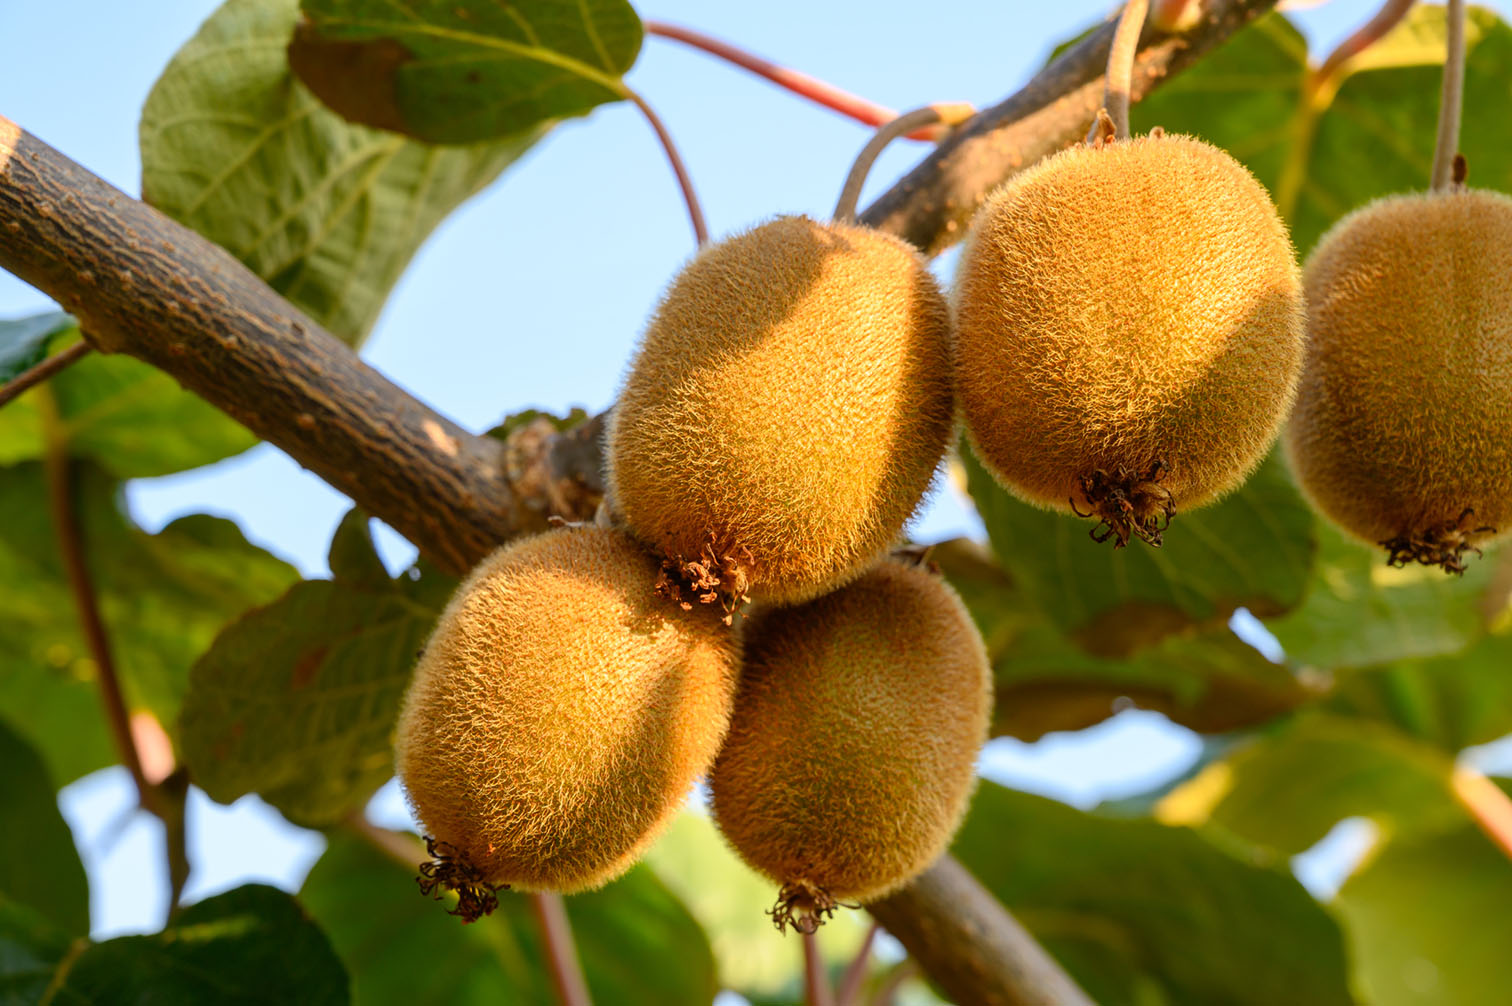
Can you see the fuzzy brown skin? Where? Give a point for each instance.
(1122, 308)
(561, 712)
(850, 758)
(787, 408)
(1404, 418)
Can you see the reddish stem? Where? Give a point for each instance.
(41, 372)
(816, 986)
(867, 112)
(850, 985)
(684, 180)
(1488, 805)
(1365, 36)
(561, 952)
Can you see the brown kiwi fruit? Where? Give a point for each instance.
(785, 412)
(1129, 331)
(851, 753)
(559, 716)
(1402, 433)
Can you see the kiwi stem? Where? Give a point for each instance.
(850, 193)
(1451, 98)
(816, 986)
(165, 802)
(1364, 37)
(1488, 805)
(855, 974)
(695, 211)
(852, 106)
(561, 952)
(1120, 77)
(41, 372)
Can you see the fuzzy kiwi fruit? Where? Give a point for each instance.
(1402, 433)
(850, 757)
(785, 412)
(559, 716)
(1129, 331)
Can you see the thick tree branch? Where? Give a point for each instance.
(934, 202)
(970, 945)
(144, 285)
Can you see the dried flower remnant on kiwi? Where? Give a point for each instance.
(1127, 505)
(1443, 545)
(803, 906)
(712, 578)
(449, 869)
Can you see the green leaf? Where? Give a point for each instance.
(1453, 702)
(31, 949)
(163, 597)
(1253, 549)
(296, 701)
(1360, 612)
(445, 71)
(1286, 790)
(1325, 152)
(1208, 680)
(39, 866)
(1136, 909)
(253, 945)
(731, 901)
(1428, 923)
(327, 212)
(131, 419)
(23, 342)
(637, 944)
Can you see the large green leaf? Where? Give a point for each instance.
(1428, 923)
(1453, 702)
(1360, 612)
(23, 342)
(247, 947)
(1322, 152)
(131, 419)
(464, 71)
(637, 944)
(1287, 789)
(296, 701)
(1253, 548)
(1208, 680)
(1140, 912)
(31, 949)
(327, 212)
(39, 866)
(163, 598)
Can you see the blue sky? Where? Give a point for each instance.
(532, 295)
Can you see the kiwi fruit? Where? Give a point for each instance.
(1402, 433)
(850, 757)
(559, 716)
(785, 411)
(1130, 331)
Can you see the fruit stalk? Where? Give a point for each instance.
(1119, 81)
(816, 986)
(1451, 99)
(561, 953)
(904, 125)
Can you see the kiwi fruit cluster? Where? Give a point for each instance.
(782, 419)
(1402, 434)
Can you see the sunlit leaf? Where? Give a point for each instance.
(637, 944)
(327, 212)
(296, 701)
(163, 598)
(1136, 909)
(464, 71)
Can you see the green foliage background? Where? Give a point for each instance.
(288, 689)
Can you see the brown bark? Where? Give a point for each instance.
(144, 285)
